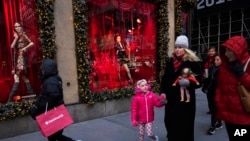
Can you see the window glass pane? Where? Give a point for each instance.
(20, 53)
(122, 43)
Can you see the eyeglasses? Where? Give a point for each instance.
(17, 26)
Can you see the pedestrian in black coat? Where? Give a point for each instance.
(51, 93)
(180, 116)
(211, 88)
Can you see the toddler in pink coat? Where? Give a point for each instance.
(142, 108)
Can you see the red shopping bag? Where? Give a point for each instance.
(54, 120)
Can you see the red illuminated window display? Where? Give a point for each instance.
(19, 50)
(122, 43)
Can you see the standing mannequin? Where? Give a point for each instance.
(20, 44)
(120, 49)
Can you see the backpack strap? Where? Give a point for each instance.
(245, 67)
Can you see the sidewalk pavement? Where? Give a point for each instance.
(118, 127)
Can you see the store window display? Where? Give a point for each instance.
(19, 51)
(122, 43)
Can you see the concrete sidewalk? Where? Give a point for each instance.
(118, 127)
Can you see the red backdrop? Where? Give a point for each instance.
(22, 11)
(110, 17)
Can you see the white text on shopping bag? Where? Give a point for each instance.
(54, 119)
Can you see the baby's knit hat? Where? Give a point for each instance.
(181, 41)
(140, 81)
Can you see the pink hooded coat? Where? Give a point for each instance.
(142, 107)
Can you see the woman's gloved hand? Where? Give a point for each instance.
(237, 68)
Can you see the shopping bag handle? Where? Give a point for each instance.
(46, 109)
(245, 67)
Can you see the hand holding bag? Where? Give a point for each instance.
(244, 94)
(54, 120)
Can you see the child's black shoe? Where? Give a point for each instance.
(211, 131)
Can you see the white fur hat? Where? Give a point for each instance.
(181, 41)
(140, 81)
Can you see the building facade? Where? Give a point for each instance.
(79, 35)
(215, 21)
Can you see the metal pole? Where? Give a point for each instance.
(208, 32)
(242, 22)
(219, 22)
(199, 42)
(230, 24)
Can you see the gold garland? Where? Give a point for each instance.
(162, 38)
(178, 11)
(45, 12)
(80, 10)
(179, 6)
